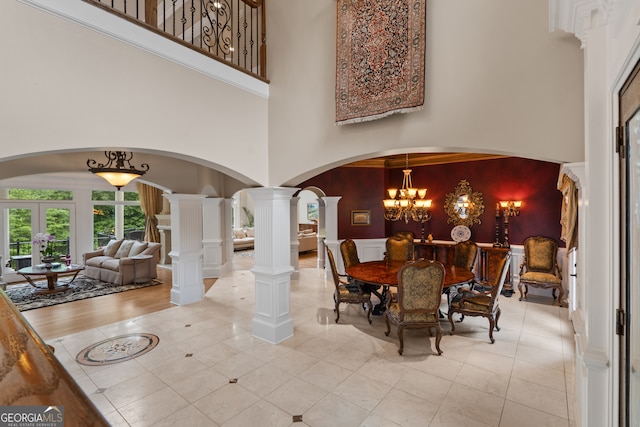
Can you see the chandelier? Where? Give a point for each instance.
(403, 204)
(117, 170)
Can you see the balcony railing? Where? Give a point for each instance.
(20, 252)
(230, 31)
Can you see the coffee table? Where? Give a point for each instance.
(51, 274)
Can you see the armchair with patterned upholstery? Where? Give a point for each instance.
(485, 304)
(347, 293)
(418, 299)
(540, 267)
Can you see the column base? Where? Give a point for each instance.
(272, 333)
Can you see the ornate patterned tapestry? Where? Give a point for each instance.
(380, 48)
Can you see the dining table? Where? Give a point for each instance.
(385, 273)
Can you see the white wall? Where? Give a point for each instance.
(611, 38)
(65, 86)
(496, 81)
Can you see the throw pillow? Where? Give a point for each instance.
(239, 233)
(112, 247)
(124, 249)
(251, 232)
(137, 248)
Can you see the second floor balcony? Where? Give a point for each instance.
(229, 31)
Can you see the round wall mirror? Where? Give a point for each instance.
(464, 206)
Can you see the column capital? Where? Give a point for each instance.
(272, 193)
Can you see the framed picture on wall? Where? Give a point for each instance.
(360, 217)
(312, 211)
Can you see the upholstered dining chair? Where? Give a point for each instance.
(476, 303)
(418, 299)
(349, 253)
(465, 254)
(398, 249)
(406, 235)
(540, 267)
(347, 294)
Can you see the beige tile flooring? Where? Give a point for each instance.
(345, 374)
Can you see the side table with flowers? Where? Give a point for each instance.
(44, 242)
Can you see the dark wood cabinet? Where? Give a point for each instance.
(485, 268)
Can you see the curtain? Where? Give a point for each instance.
(151, 204)
(569, 215)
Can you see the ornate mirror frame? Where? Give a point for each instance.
(464, 206)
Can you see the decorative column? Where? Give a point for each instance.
(164, 228)
(295, 244)
(331, 227)
(272, 320)
(186, 248)
(215, 233)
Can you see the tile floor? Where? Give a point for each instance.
(346, 374)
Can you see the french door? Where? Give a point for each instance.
(22, 220)
(629, 310)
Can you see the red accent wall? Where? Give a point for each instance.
(533, 182)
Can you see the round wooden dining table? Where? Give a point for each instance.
(386, 273)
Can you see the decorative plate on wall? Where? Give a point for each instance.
(460, 233)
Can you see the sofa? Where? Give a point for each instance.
(307, 240)
(122, 262)
(243, 238)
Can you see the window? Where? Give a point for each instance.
(116, 214)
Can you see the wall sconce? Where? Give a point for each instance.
(509, 208)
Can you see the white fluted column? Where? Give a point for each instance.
(295, 244)
(272, 320)
(215, 230)
(186, 248)
(331, 226)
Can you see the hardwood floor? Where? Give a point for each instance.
(64, 319)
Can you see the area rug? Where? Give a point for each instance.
(247, 253)
(117, 349)
(380, 51)
(81, 288)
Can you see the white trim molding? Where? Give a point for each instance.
(576, 16)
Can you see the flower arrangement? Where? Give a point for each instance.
(44, 241)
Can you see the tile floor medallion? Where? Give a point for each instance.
(117, 349)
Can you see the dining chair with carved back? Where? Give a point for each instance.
(465, 255)
(349, 252)
(485, 304)
(346, 292)
(398, 248)
(418, 299)
(406, 234)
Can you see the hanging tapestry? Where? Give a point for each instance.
(380, 49)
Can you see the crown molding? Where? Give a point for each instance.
(422, 159)
(577, 16)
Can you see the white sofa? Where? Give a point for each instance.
(243, 238)
(308, 241)
(123, 262)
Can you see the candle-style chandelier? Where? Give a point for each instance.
(408, 202)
